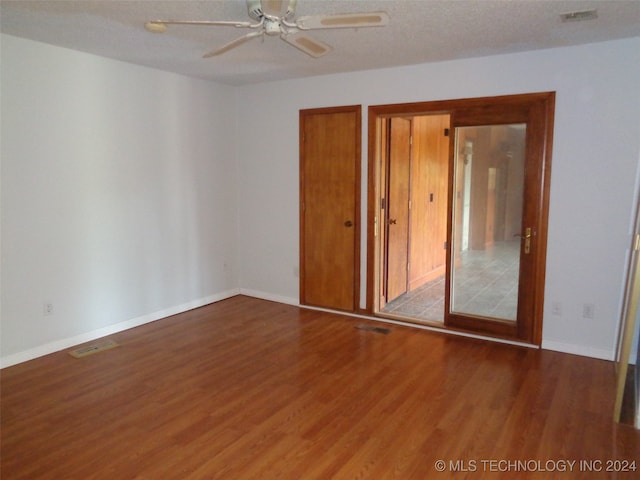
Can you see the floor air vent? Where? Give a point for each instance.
(93, 348)
(371, 328)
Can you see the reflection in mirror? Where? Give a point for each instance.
(487, 220)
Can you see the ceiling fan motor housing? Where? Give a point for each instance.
(271, 27)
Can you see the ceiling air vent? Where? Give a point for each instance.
(579, 16)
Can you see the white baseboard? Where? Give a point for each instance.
(268, 296)
(546, 344)
(64, 343)
(577, 350)
(294, 301)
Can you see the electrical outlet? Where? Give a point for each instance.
(588, 310)
(47, 309)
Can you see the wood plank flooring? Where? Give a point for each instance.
(250, 389)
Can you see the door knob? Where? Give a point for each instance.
(348, 223)
(392, 221)
(527, 239)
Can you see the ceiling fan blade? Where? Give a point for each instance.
(343, 20)
(307, 44)
(233, 44)
(159, 26)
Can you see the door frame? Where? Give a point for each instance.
(543, 103)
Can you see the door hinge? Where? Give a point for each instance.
(445, 246)
(446, 132)
(636, 242)
(383, 203)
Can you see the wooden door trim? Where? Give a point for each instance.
(546, 105)
(303, 114)
(463, 109)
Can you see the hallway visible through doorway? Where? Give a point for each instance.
(488, 287)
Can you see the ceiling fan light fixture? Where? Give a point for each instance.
(273, 7)
(156, 27)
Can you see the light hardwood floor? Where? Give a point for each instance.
(250, 389)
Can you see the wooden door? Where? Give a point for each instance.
(329, 207)
(397, 221)
(380, 224)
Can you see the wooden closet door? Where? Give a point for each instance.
(329, 207)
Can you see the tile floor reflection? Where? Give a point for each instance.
(485, 284)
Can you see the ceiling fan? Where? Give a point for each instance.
(277, 17)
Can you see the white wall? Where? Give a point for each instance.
(595, 156)
(128, 194)
(118, 198)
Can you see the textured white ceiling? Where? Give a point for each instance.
(420, 31)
